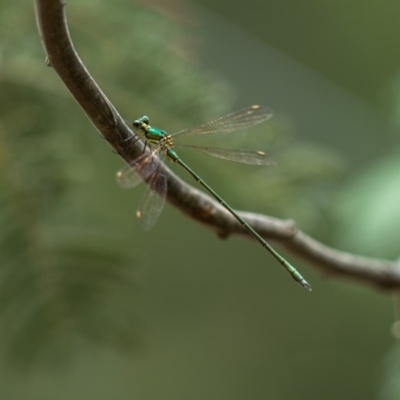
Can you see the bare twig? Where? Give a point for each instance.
(62, 56)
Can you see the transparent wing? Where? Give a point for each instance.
(238, 120)
(139, 170)
(153, 199)
(238, 155)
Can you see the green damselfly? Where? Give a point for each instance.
(145, 167)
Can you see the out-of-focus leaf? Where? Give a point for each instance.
(369, 210)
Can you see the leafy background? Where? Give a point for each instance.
(92, 307)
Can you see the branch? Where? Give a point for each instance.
(62, 56)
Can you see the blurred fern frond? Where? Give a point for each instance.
(57, 288)
(66, 277)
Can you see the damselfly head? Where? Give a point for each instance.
(142, 122)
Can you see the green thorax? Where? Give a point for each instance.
(157, 136)
(154, 135)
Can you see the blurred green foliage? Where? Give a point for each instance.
(71, 255)
(66, 271)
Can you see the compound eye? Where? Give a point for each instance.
(145, 119)
(136, 123)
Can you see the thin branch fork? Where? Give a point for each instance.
(63, 58)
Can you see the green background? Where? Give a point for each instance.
(93, 307)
